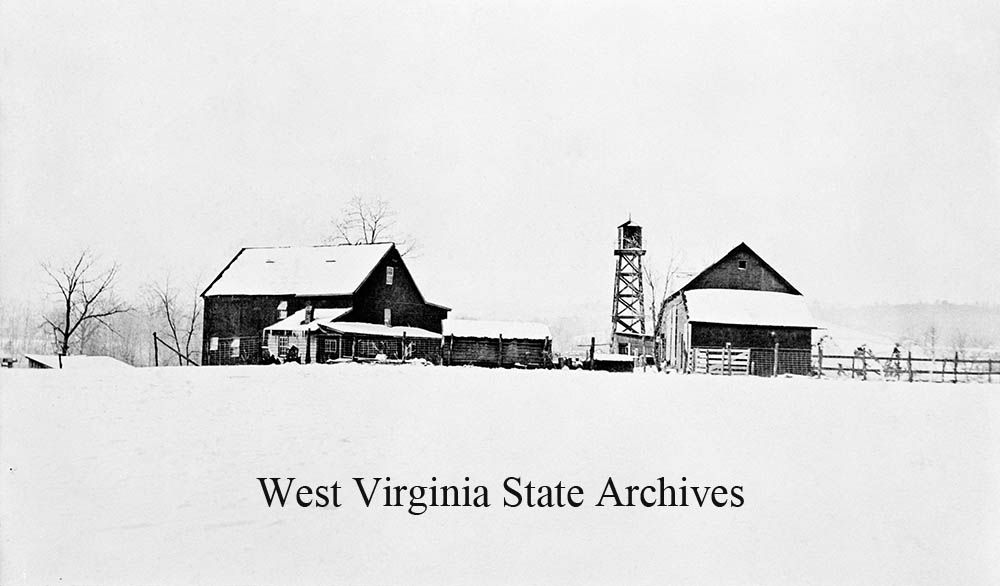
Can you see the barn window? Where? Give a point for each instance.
(234, 348)
(741, 265)
(387, 317)
(388, 275)
(213, 343)
(283, 310)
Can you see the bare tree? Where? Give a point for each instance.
(367, 221)
(181, 317)
(87, 294)
(930, 340)
(660, 283)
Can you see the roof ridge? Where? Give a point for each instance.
(317, 245)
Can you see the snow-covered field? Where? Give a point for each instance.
(150, 477)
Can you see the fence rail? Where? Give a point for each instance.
(777, 361)
(944, 369)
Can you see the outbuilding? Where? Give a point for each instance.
(267, 288)
(497, 343)
(738, 316)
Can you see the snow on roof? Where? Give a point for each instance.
(294, 321)
(599, 357)
(468, 328)
(298, 270)
(348, 327)
(78, 362)
(758, 308)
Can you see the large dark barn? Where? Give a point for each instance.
(262, 286)
(738, 316)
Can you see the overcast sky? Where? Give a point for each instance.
(857, 147)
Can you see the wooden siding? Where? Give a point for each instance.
(726, 274)
(487, 352)
(246, 316)
(739, 336)
(402, 298)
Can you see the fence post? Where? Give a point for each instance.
(852, 366)
(989, 371)
(819, 373)
(909, 363)
(592, 340)
(729, 358)
(156, 350)
(402, 352)
(864, 367)
(774, 371)
(955, 369)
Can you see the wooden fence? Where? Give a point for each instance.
(907, 368)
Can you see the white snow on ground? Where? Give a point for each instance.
(149, 476)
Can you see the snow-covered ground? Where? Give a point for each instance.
(149, 476)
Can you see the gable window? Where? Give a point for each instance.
(387, 317)
(283, 310)
(234, 348)
(741, 265)
(388, 275)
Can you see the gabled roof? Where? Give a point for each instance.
(78, 362)
(298, 270)
(294, 321)
(741, 247)
(365, 329)
(743, 307)
(468, 328)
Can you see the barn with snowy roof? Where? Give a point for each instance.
(738, 316)
(269, 295)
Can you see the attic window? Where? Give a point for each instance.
(388, 275)
(741, 265)
(283, 310)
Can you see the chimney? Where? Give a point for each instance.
(309, 315)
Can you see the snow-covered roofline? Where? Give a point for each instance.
(742, 307)
(361, 328)
(511, 330)
(78, 362)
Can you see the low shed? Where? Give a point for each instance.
(75, 362)
(338, 339)
(613, 362)
(497, 343)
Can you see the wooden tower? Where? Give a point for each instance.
(628, 325)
